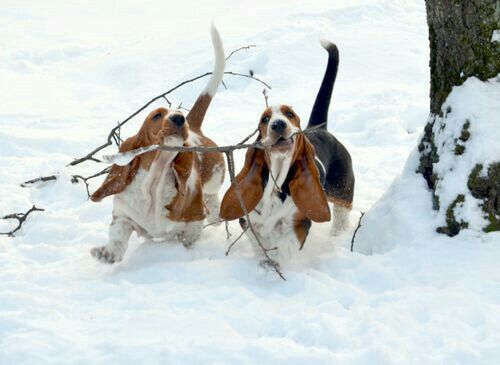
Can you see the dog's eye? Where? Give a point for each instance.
(157, 117)
(290, 115)
(265, 120)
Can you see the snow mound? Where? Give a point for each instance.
(466, 135)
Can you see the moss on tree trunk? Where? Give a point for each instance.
(460, 37)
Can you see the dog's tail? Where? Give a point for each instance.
(319, 113)
(197, 114)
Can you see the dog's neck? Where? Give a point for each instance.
(279, 166)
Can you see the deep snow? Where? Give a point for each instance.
(69, 72)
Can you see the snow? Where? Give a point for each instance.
(475, 102)
(70, 71)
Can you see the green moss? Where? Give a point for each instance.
(487, 189)
(494, 223)
(464, 137)
(453, 227)
(459, 149)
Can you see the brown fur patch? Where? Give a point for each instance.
(305, 186)
(340, 202)
(187, 205)
(288, 112)
(197, 113)
(210, 161)
(263, 125)
(251, 185)
(301, 226)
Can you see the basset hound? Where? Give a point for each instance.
(166, 195)
(289, 183)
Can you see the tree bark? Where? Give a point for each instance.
(461, 46)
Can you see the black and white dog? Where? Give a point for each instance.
(289, 183)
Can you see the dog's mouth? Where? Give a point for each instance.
(172, 140)
(282, 144)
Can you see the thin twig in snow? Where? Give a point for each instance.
(356, 230)
(21, 218)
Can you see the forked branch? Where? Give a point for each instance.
(21, 218)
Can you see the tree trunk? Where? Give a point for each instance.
(462, 37)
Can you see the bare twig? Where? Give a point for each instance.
(75, 178)
(228, 234)
(90, 155)
(114, 134)
(248, 137)
(125, 157)
(268, 262)
(21, 218)
(356, 230)
(181, 107)
(213, 223)
(266, 97)
(247, 76)
(38, 179)
(168, 101)
(240, 49)
(278, 188)
(236, 240)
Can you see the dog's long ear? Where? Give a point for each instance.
(187, 205)
(305, 186)
(120, 176)
(251, 185)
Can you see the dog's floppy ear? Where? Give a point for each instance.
(305, 186)
(187, 205)
(251, 185)
(120, 176)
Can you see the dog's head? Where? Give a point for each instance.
(278, 126)
(163, 127)
(278, 133)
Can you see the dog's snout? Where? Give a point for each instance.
(278, 126)
(177, 119)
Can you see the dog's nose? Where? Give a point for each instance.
(177, 119)
(278, 126)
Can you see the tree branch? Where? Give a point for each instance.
(114, 134)
(268, 262)
(124, 158)
(356, 230)
(21, 218)
(75, 178)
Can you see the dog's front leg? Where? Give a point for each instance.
(119, 234)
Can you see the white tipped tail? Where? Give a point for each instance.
(197, 113)
(325, 43)
(220, 63)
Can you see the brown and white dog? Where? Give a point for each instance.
(289, 184)
(161, 194)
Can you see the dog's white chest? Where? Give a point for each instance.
(273, 218)
(147, 207)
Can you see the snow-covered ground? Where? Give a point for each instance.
(69, 71)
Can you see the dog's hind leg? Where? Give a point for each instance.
(341, 213)
(119, 234)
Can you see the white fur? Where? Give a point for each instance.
(326, 44)
(220, 63)
(275, 226)
(340, 220)
(141, 208)
(273, 219)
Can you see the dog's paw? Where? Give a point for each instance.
(187, 243)
(105, 255)
(269, 265)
